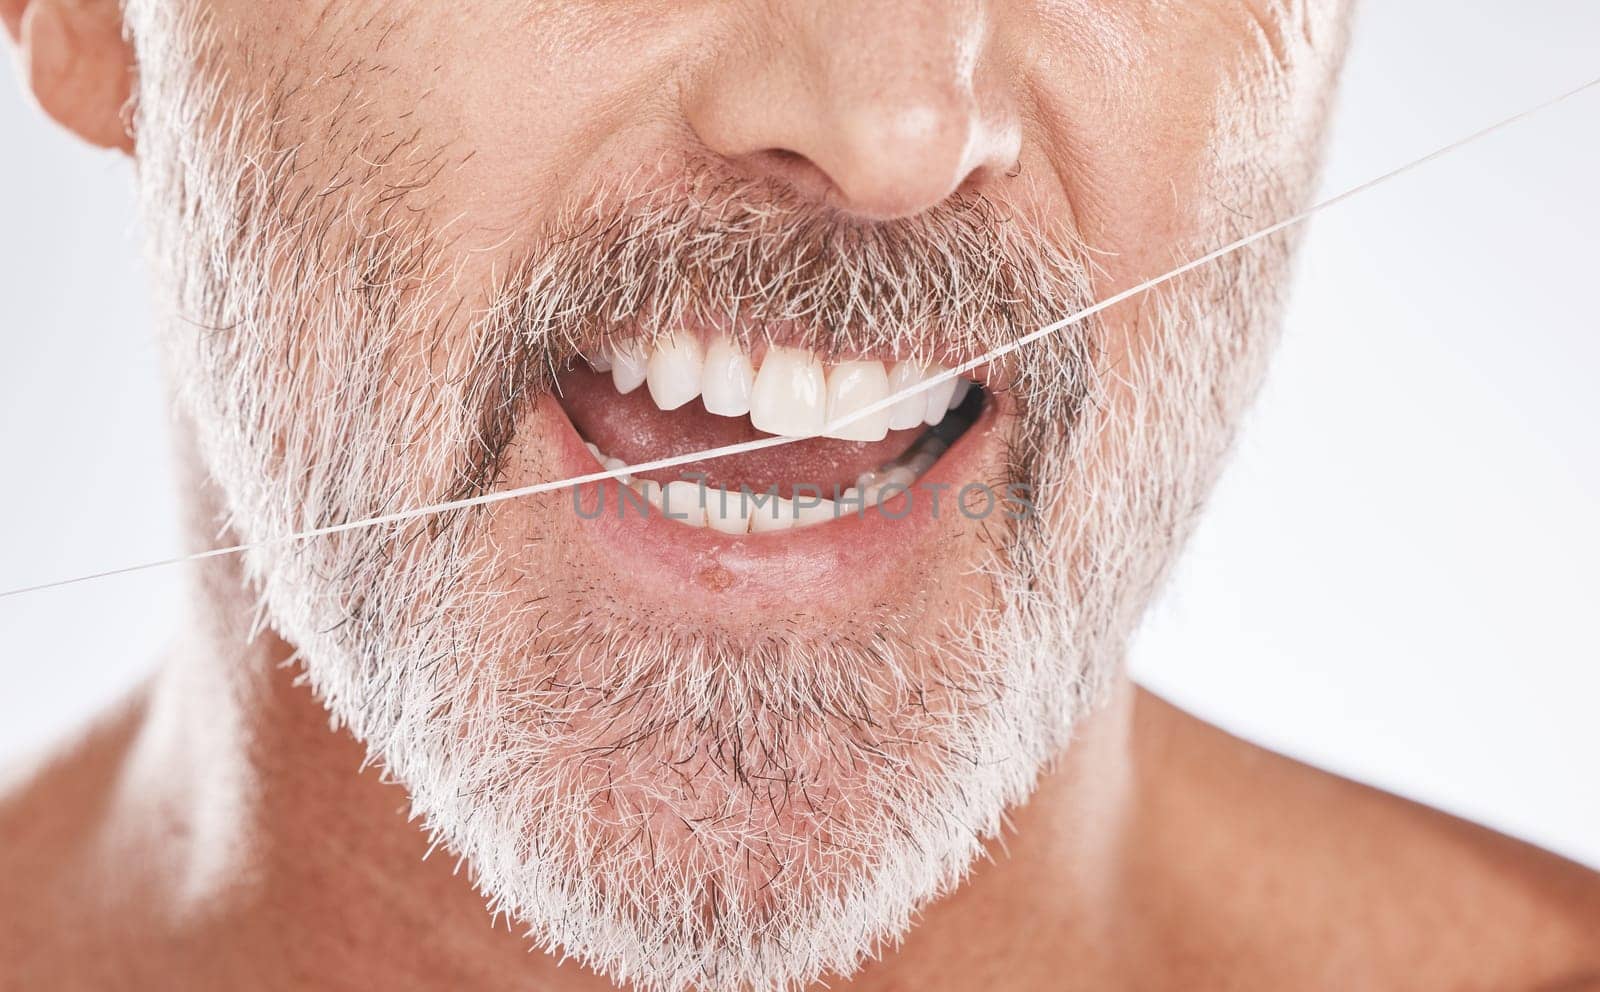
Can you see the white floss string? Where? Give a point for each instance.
(775, 441)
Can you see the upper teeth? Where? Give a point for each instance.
(792, 393)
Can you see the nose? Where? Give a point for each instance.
(882, 109)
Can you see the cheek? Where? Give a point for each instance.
(1141, 122)
(1174, 133)
(478, 114)
(534, 104)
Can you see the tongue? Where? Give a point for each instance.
(632, 428)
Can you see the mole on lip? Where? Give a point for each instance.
(714, 577)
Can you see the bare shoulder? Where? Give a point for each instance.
(1333, 871)
(52, 807)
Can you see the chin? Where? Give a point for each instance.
(680, 810)
(717, 755)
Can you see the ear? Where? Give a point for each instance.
(77, 63)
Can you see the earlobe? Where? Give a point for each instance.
(79, 66)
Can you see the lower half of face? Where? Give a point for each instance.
(728, 722)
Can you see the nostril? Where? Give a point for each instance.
(792, 168)
(987, 173)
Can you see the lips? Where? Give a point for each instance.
(698, 395)
(913, 554)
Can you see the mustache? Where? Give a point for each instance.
(749, 258)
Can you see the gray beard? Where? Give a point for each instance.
(547, 754)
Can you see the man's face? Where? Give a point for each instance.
(397, 239)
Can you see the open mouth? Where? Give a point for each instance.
(681, 395)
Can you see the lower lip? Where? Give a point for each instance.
(809, 565)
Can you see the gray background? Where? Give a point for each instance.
(1396, 579)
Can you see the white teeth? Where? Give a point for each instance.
(855, 386)
(907, 413)
(773, 514)
(728, 378)
(599, 363)
(680, 501)
(628, 366)
(674, 371)
(790, 394)
(900, 475)
(939, 397)
(808, 514)
(728, 512)
(650, 490)
(740, 512)
(612, 464)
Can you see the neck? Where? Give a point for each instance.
(264, 842)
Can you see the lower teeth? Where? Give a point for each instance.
(744, 512)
